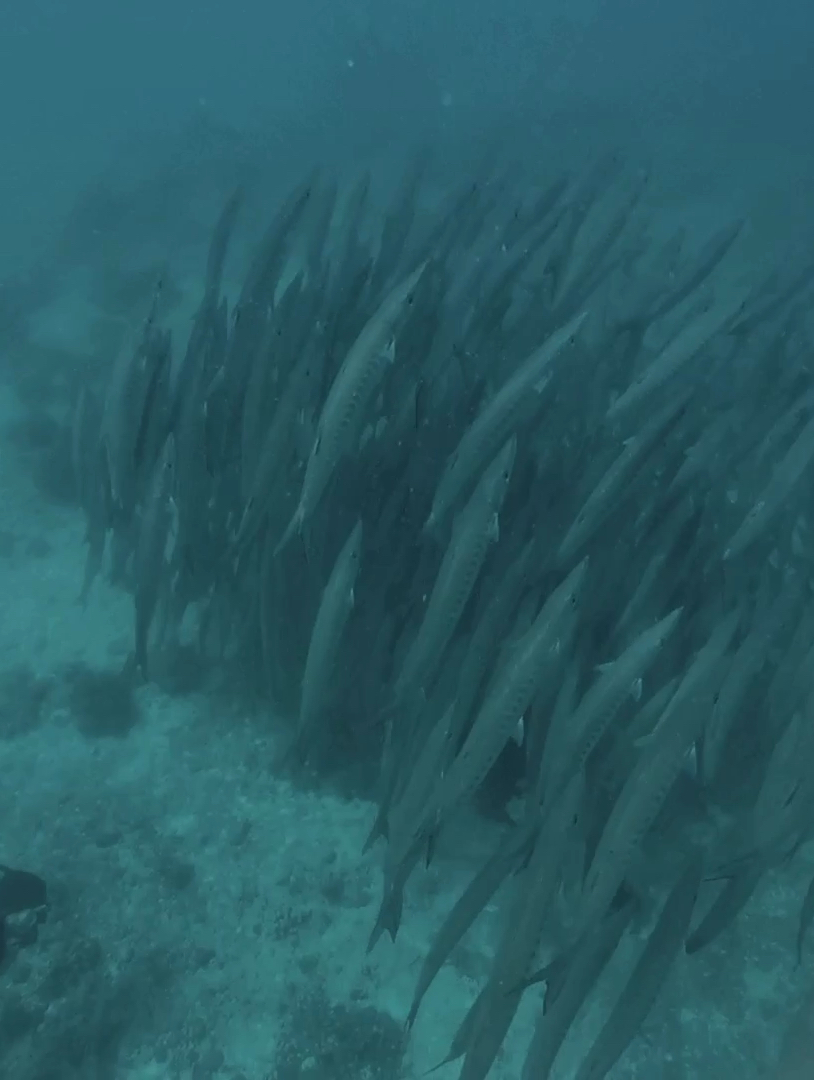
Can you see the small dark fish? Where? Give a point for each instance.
(20, 891)
(420, 403)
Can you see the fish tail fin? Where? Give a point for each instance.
(389, 917)
(378, 829)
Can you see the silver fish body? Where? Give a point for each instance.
(334, 610)
(475, 529)
(494, 423)
(151, 548)
(351, 390)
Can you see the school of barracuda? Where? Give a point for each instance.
(512, 470)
